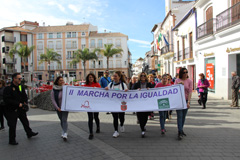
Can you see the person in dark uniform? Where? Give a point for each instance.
(16, 107)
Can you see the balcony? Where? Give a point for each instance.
(73, 46)
(228, 17)
(188, 54)
(50, 46)
(175, 57)
(10, 71)
(207, 28)
(180, 57)
(71, 57)
(59, 47)
(167, 49)
(71, 66)
(9, 61)
(8, 39)
(40, 67)
(40, 47)
(56, 67)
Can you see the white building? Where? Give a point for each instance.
(138, 66)
(184, 37)
(9, 37)
(218, 43)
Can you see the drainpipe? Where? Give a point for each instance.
(195, 11)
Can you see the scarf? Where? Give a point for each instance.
(57, 87)
(56, 90)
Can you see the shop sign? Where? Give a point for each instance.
(208, 54)
(229, 50)
(210, 74)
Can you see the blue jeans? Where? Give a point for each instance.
(163, 115)
(181, 116)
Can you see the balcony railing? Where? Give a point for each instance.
(40, 47)
(180, 57)
(9, 60)
(71, 46)
(8, 39)
(59, 46)
(55, 67)
(167, 49)
(119, 65)
(40, 67)
(50, 46)
(71, 66)
(206, 28)
(71, 57)
(10, 70)
(175, 57)
(228, 17)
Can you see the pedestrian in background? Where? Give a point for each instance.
(170, 82)
(16, 101)
(92, 82)
(118, 83)
(104, 81)
(182, 113)
(235, 89)
(56, 96)
(2, 104)
(203, 85)
(142, 116)
(163, 114)
(151, 81)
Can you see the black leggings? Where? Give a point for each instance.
(121, 116)
(143, 118)
(90, 120)
(204, 98)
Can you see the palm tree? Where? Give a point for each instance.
(110, 52)
(50, 56)
(84, 56)
(23, 51)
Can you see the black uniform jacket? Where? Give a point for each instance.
(12, 96)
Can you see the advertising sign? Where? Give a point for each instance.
(210, 74)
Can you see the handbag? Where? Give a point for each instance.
(25, 107)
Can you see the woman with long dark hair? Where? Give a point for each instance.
(118, 83)
(142, 116)
(203, 85)
(188, 87)
(56, 96)
(91, 81)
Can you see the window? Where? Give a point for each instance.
(118, 43)
(109, 41)
(74, 44)
(40, 45)
(83, 46)
(59, 35)
(100, 43)
(59, 45)
(69, 34)
(40, 36)
(92, 45)
(50, 35)
(74, 34)
(69, 44)
(23, 37)
(69, 54)
(50, 44)
(191, 44)
(7, 48)
(83, 34)
(183, 47)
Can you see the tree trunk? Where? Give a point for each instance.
(49, 71)
(84, 70)
(23, 65)
(107, 63)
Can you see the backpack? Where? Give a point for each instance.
(121, 84)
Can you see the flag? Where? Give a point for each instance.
(159, 37)
(165, 41)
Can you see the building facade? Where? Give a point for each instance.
(217, 43)
(138, 66)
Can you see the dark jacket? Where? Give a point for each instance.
(138, 85)
(12, 96)
(235, 82)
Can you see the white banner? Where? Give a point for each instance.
(100, 100)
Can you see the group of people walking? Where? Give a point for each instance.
(14, 101)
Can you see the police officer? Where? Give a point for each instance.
(16, 101)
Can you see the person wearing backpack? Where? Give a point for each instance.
(142, 116)
(118, 83)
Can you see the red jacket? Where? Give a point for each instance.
(93, 85)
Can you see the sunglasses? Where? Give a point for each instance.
(143, 75)
(19, 78)
(185, 72)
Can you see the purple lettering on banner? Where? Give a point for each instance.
(155, 94)
(170, 91)
(164, 92)
(175, 91)
(106, 95)
(150, 94)
(113, 94)
(101, 94)
(136, 96)
(71, 92)
(86, 93)
(91, 93)
(119, 95)
(96, 93)
(124, 96)
(159, 94)
(80, 93)
(144, 94)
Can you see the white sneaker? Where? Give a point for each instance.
(115, 134)
(122, 129)
(62, 134)
(65, 136)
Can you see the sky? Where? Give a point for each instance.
(134, 18)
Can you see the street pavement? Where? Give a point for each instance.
(213, 133)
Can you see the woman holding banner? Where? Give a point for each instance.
(118, 83)
(188, 87)
(142, 116)
(56, 96)
(91, 81)
(163, 114)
